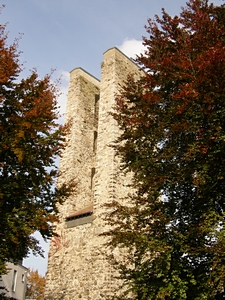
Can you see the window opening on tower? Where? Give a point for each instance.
(80, 217)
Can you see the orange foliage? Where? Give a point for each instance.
(35, 285)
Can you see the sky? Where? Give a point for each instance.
(65, 34)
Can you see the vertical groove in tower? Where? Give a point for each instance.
(77, 266)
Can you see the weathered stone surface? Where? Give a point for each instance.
(77, 265)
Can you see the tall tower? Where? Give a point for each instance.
(77, 266)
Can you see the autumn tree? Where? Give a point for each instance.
(30, 140)
(35, 285)
(173, 140)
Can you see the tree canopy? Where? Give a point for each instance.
(173, 141)
(35, 285)
(30, 141)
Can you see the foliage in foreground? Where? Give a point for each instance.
(30, 140)
(35, 285)
(173, 140)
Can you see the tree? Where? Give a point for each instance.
(30, 141)
(35, 285)
(173, 140)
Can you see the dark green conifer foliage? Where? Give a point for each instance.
(173, 140)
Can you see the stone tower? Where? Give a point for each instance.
(77, 266)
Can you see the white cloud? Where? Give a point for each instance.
(132, 47)
(65, 76)
(62, 99)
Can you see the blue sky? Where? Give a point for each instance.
(65, 34)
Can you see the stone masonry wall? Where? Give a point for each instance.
(79, 156)
(77, 266)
